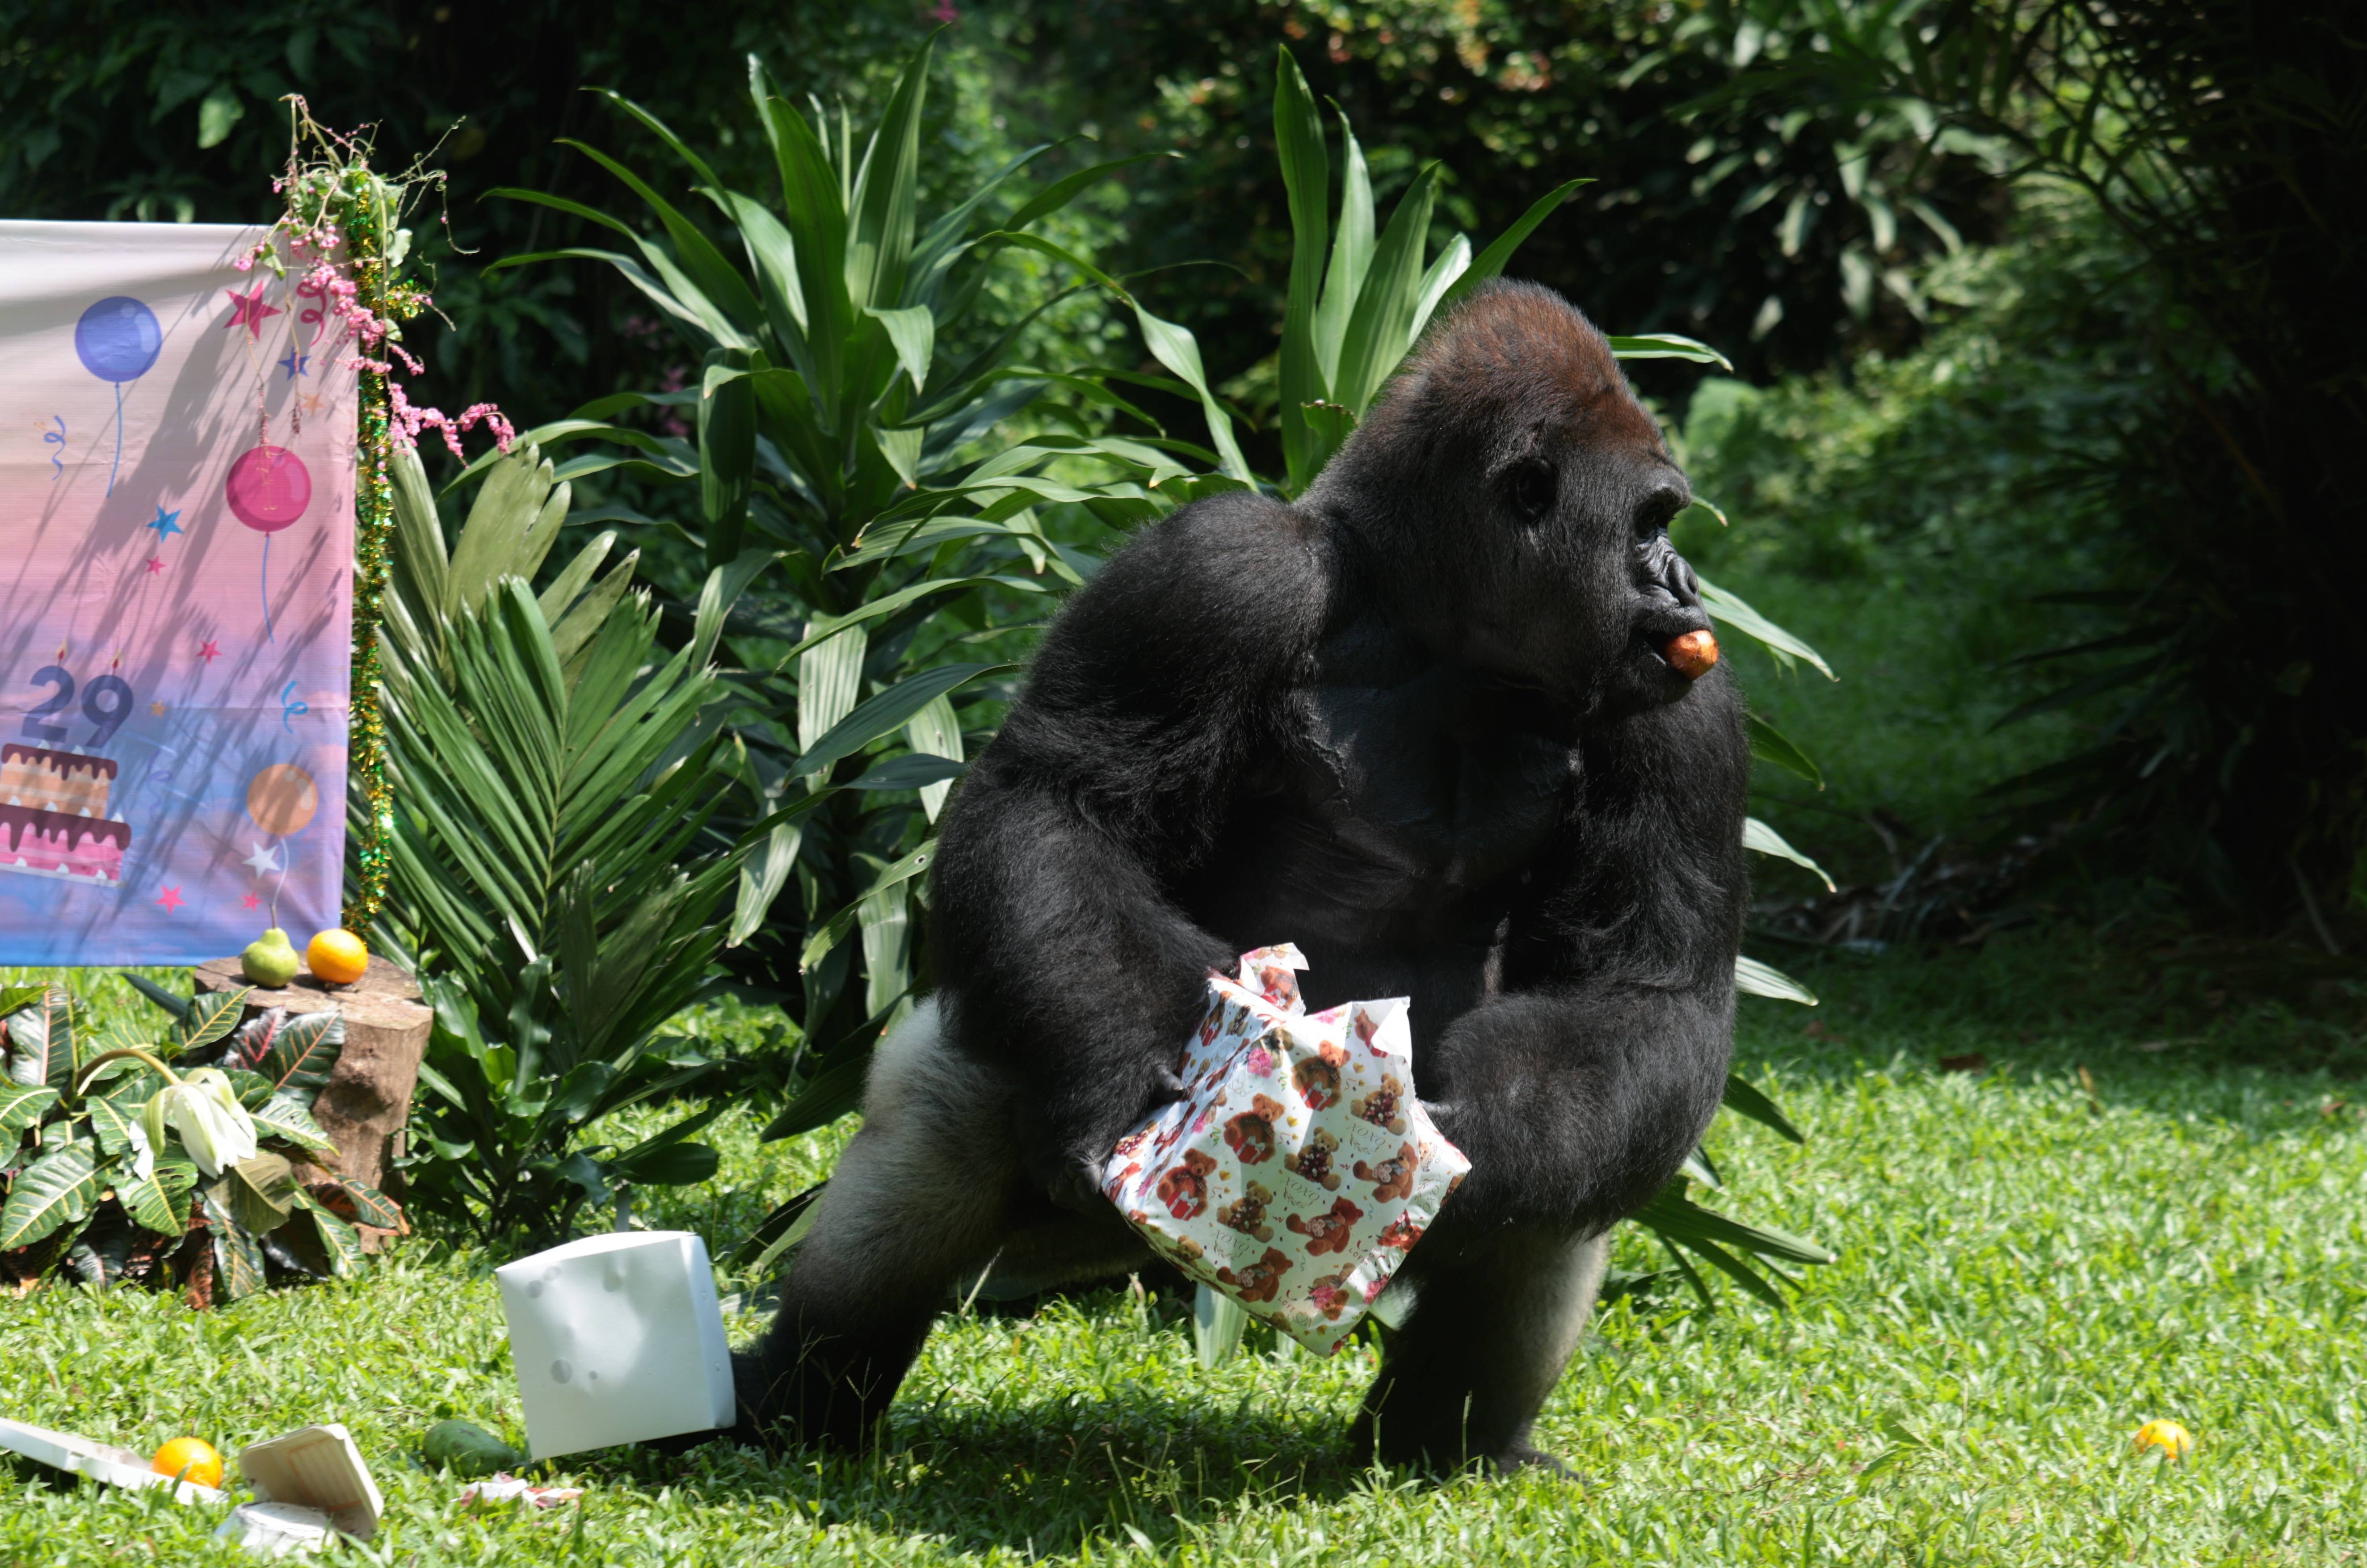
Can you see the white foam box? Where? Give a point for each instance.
(616, 1338)
(311, 1485)
(80, 1456)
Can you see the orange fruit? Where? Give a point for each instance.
(2166, 1437)
(337, 957)
(193, 1455)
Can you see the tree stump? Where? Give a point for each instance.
(368, 1096)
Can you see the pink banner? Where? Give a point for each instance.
(176, 502)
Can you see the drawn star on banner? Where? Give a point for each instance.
(172, 900)
(254, 902)
(248, 309)
(265, 862)
(166, 525)
(154, 565)
(211, 651)
(294, 364)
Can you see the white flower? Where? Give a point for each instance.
(203, 1108)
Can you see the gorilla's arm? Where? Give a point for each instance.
(1581, 1086)
(1155, 699)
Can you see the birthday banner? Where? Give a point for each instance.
(177, 528)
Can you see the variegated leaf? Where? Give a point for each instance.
(21, 1105)
(283, 1117)
(41, 1041)
(371, 1206)
(237, 1254)
(56, 1189)
(295, 1051)
(159, 1201)
(340, 1241)
(211, 1016)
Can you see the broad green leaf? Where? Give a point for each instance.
(1746, 1099)
(339, 1242)
(290, 1051)
(13, 997)
(115, 1126)
(1307, 178)
(888, 712)
(1768, 745)
(41, 1041)
(936, 731)
(58, 1188)
(1732, 612)
(1351, 262)
(238, 1257)
(211, 1016)
(371, 1207)
(21, 1105)
(886, 927)
(285, 1118)
(1757, 978)
(913, 330)
(1176, 348)
(830, 680)
(804, 1209)
(1668, 345)
(1452, 262)
(1218, 1324)
(1491, 262)
(762, 877)
(159, 1201)
(260, 1192)
(829, 1095)
(831, 932)
(727, 451)
(885, 200)
(1380, 329)
(1757, 834)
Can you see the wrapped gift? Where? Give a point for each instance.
(1298, 1169)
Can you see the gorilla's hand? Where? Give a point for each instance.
(1071, 1176)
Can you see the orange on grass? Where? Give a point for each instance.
(337, 957)
(2167, 1438)
(193, 1455)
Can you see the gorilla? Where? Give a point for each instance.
(1421, 723)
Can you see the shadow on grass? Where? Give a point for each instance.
(2159, 1018)
(1053, 1475)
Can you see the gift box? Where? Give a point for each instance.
(1298, 1170)
(616, 1338)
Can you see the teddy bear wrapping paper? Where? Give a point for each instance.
(1298, 1169)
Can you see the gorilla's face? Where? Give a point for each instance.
(1526, 496)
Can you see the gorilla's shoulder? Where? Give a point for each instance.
(1230, 588)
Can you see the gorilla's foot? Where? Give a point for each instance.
(1521, 1457)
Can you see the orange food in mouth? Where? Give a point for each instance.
(1692, 655)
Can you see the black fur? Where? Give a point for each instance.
(1418, 724)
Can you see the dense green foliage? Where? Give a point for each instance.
(2027, 1274)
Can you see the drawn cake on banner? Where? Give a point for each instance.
(177, 495)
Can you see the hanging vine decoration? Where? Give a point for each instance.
(341, 221)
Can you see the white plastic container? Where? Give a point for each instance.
(116, 1467)
(616, 1338)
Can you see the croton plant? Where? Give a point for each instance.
(183, 1160)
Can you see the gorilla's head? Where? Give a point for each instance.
(1513, 497)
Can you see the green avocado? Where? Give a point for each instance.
(270, 959)
(468, 1449)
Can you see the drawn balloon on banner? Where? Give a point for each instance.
(117, 340)
(268, 489)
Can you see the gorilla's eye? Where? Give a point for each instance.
(1655, 514)
(1533, 489)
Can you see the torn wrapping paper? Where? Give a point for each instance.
(1298, 1169)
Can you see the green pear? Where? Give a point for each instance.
(270, 959)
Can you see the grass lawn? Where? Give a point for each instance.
(2027, 1273)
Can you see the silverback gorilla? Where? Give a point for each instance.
(1419, 724)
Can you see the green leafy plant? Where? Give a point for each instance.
(849, 479)
(555, 772)
(185, 1160)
